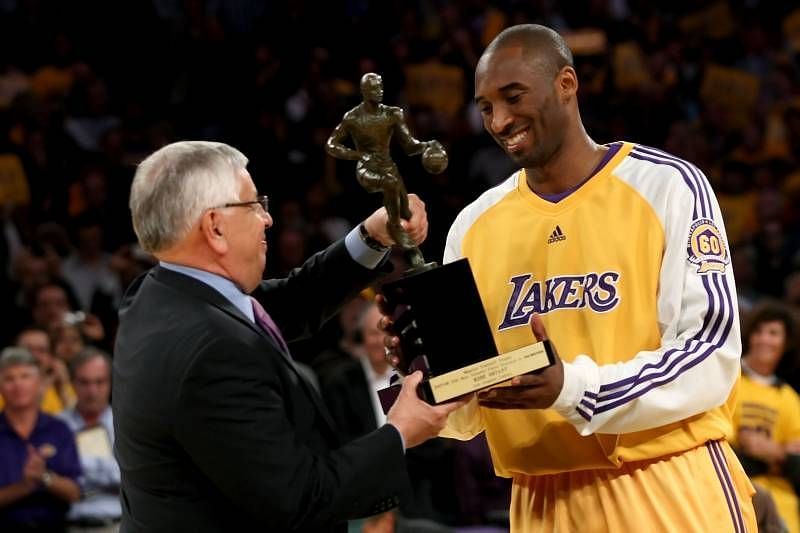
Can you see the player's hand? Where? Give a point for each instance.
(416, 226)
(529, 391)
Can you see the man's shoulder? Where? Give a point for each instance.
(53, 425)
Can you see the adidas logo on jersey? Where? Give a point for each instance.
(556, 236)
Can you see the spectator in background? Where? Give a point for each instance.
(351, 396)
(91, 420)
(68, 341)
(88, 268)
(54, 307)
(767, 415)
(342, 340)
(57, 392)
(350, 392)
(29, 273)
(39, 466)
(51, 303)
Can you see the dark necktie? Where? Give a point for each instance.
(267, 324)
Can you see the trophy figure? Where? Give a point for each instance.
(437, 310)
(370, 125)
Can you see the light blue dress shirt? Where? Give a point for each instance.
(101, 477)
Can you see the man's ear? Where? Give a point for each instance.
(213, 229)
(567, 83)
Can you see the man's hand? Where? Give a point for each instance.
(529, 391)
(757, 444)
(416, 226)
(34, 467)
(416, 420)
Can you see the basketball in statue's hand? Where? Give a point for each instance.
(434, 158)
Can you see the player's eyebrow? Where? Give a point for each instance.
(504, 89)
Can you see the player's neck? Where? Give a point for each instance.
(571, 165)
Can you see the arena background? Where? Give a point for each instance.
(87, 88)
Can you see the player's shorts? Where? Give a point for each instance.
(701, 490)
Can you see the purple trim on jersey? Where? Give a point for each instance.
(668, 353)
(554, 198)
(699, 176)
(702, 190)
(591, 395)
(690, 364)
(583, 413)
(721, 466)
(587, 404)
(650, 159)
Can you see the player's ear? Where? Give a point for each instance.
(566, 83)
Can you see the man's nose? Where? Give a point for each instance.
(501, 121)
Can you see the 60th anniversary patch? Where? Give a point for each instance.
(706, 247)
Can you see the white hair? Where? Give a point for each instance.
(175, 184)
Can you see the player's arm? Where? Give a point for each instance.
(411, 146)
(335, 145)
(697, 363)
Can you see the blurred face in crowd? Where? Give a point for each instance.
(244, 253)
(20, 387)
(373, 338)
(92, 383)
(90, 241)
(50, 306)
(767, 345)
(31, 272)
(521, 105)
(67, 342)
(38, 343)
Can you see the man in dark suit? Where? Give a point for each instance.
(215, 428)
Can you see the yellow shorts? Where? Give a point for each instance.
(701, 490)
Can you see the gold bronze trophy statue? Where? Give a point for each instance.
(437, 310)
(370, 126)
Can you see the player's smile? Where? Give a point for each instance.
(515, 143)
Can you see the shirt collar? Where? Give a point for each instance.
(223, 285)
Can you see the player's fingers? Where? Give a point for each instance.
(537, 326)
(527, 380)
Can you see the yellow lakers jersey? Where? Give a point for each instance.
(773, 409)
(631, 276)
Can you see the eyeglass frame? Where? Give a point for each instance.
(262, 200)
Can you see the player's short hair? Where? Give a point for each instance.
(539, 43)
(175, 184)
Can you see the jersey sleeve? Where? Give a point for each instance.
(697, 364)
(466, 422)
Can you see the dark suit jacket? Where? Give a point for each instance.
(348, 396)
(216, 430)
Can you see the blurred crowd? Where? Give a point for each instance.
(87, 89)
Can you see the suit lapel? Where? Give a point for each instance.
(205, 292)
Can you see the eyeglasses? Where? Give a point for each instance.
(262, 201)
